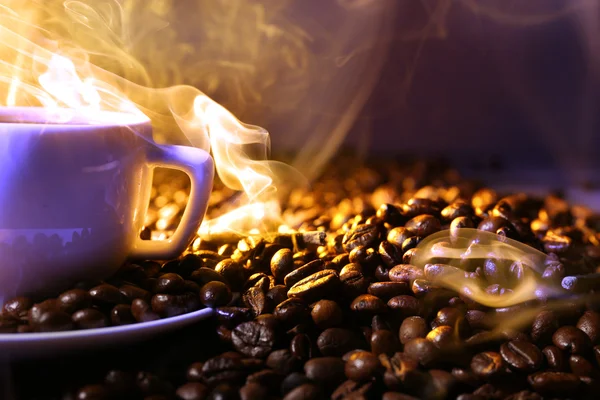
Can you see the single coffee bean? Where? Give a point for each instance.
(326, 314)
(292, 381)
(405, 306)
(362, 366)
(302, 347)
(325, 370)
(443, 337)
(292, 312)
(554, 383)
(581, 367)
(555, 358)
(194, 372)
(571, 339)
(589, 323)
(555, 243)
(406, 273)
(362, 235)
(142, 312)
(106, 296)
(282, 264)
(205, 275)
(170, 283)
(487, 364)
(93, 392)
(423, 225)
(390, 254)
(384, 342)
(521, 355)
(256, 299)
(303, 272)
(397, 236)
(411, 243)
(134, 292)
(38, 309)
(121, 315)
(253, 339)
(316, 286)
(367, 304)
(336, 341)
(351, 389)
(283, 361)
(232, 316)
(215, 294)
(259, 279)
(492, 224)
(353, 280)
(387, 290)
(54, 321)
(306, 391)
(89, 318)
(18, 307)
(233, 272)
(456, 210)
(365, 256)
(170, 305)
(543, 327)
(581, 283)
(422, 350)
(192, 391)
(411, 328)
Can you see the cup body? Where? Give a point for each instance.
(72, 200)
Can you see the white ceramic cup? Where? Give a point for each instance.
(73, 197)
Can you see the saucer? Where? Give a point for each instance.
(47, 344)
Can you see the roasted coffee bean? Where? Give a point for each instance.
(303, 272)
(256, 300)
(151, 268)
(121, 315)
(411, 243)
(363, 366)
(581, 283)
(423, 225)
(543, 327)
(93, 392)
(554, 383)
(555, 358)
(443, 337)
(571, 339)
(277, 294)
(325, 370)
(351, 389)
(456, 210)
(106, 296)
(134, 292)
(283, 361)
(367, 304)
(170, 305)
(38, 309)
(89, 318)
(405, 306)
(232, 316)
(142, 312)
(326, 314)
(316, 286)
(362, 235)
(390, 254)
(336, 341)
(267, 378)
(253, 391)
(18, 307)
(589, 323)
(215, 294)
(555, 243)
(581, 367)
(384, 342)
(406, 273)
(253, 339)
(170, 283)
(422, 350)
(387, 290)
(306, 391)
(367, 257)
(554, 273)
(487, 365)
(521, 355)
(478, 319)
(54, 321)
(205, 275)
(390, 214)
(353, 280)
(302, 347)
(459, 223)
(233, 272)
(259, 280)
(192, 391)
(292, 312)
(397, 236)
(292, 381)
(412, 328)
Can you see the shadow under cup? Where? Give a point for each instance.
(73, 197)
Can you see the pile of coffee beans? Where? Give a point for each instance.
(338, 311)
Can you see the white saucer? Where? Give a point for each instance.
(45, 344)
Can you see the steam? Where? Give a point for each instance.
(446, 254)
(53, 69)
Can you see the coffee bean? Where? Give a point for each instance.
(362, 235)
(336, 341)
(362, 366)
(406, 273)
(18, 307)
(543, 327)
(405, 306)
(292, 381)
(387, 290)
(554, 383)
(571, 339)
(121, 383)
(38, 309)
(205, 275)
(306, 391)
(581, 367)
(170, 305)
(215, 294)
(170, 283)
(488, 364)
(93, 392)
(106, 296)
(365, 256)
(282, 263)
(326, 314)
(589, 323)
(292, 312)
(411, 328)
(316, 286)
(325, 370)
(256, 300)
(423, 225)
(302, 347)
(390, 254)
(351, 389)
(253, 339)
(142, 312)
(303, 272)
(134, 292)
(233, 273)
(555, 358)
(253, 391)
(521, 355)
(367, 304)
(121, 315)
(555, 243)
(384, 342)
(283, 361)
(443, 337)
(10, 324)
(411, 243)
(581, 283)
(422, 350)
(397, 236)
(353, 280)
(192, 391)
(89, 318)
(54, 321)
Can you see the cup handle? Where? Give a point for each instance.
(198, 165)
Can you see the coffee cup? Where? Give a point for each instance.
(74, 193)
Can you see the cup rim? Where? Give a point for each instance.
(42, 116)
